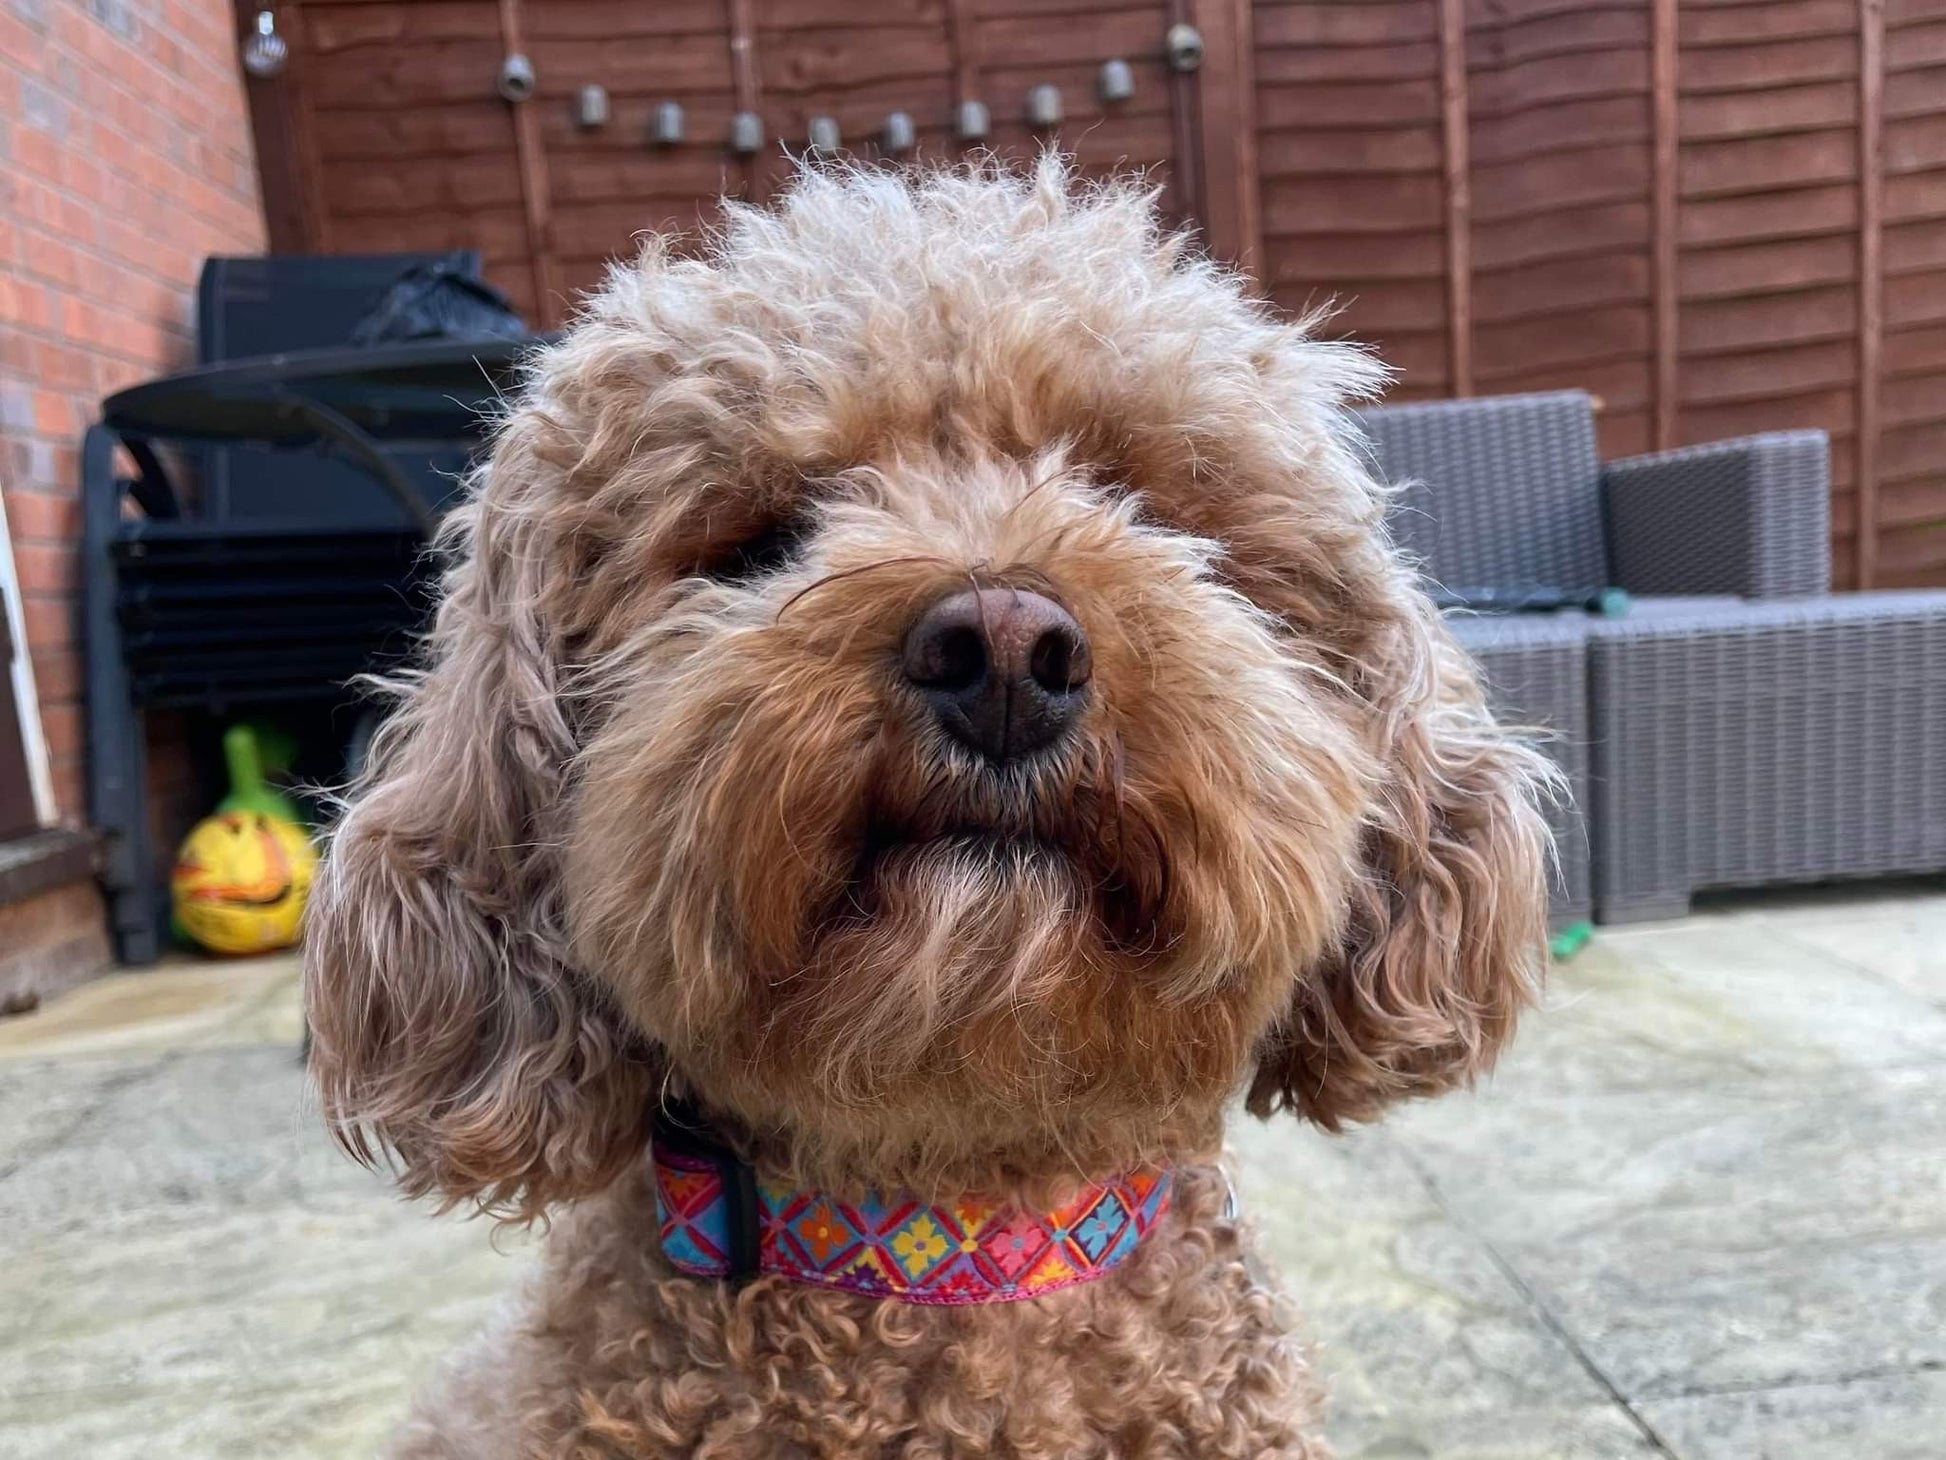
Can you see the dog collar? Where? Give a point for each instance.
(719, 1220)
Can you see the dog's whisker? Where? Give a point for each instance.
(843, 574)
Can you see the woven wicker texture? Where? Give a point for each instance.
(1745, 744)
(1750, 517)
(1766, 734)
(1537, 677)
(1502, 492)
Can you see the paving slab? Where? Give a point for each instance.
(178, 1005)
(42, 1102)
(1699, 1214)
(1897, 1417)
(215, 1331)
(1743, 1234)
(1904, 945)
(1710, 1001)
(1418, 1332)
(228, 1128)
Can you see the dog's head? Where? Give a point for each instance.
(930, 680)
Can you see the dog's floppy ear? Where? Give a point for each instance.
(446, 1024)
(1446, 934)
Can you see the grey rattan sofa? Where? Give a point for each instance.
(1738, 725)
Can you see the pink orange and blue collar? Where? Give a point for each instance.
(719, 1220)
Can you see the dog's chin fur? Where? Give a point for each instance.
(661, 814)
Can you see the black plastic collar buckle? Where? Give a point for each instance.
(682, 1130)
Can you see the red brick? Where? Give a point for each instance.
(185, 104)
(35, 201)
(64, 476)
(61, 727)
(77, 318)
(20, 43)
(86, 179)
(105, 228)
(49, 258)
(80, 33)
(62, 367)
(101, 141)
(44, 569)
(127, 112)
(75, 219)
(114, 375)
(70, 790)
(50, 622)
(57, 678)
(42, 517)
(37, 153)
(33, 306)
(53, 412)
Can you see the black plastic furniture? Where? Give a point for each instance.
(259, 305)
(188, 608)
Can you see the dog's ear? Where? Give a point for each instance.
(1445, 940)
(446, 1023)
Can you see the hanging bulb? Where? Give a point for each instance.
(1115, 81)
(746, 134)
(266, 52)
(516, 81)
(668, 124)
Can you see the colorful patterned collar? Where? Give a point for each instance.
(718, 1220)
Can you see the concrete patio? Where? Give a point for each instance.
(1700, 1212)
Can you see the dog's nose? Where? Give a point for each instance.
(1004, 670)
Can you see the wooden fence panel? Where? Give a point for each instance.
(1562, 157)
(410, 150)
(1911, 498)
(1351, 147)
(1769, 106)
(389, 122)
(1719, 216)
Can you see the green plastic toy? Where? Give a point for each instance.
(1570, 940)
(247, 750)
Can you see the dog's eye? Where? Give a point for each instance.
(770, 549)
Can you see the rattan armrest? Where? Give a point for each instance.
(1750, 517)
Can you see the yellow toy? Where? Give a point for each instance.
(240, 882)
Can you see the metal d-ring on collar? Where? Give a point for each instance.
(683, 1130)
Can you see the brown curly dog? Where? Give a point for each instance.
(927, 686)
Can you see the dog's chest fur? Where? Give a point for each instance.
(1182, 1352)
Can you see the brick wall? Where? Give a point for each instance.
(125, 158)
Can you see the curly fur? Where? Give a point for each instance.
(660, 814)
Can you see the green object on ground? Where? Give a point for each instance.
(1570, 940)
(247, 750)
(1614, 603)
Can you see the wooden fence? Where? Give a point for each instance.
(1720, 216)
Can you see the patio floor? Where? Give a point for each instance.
(1700, 1212)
